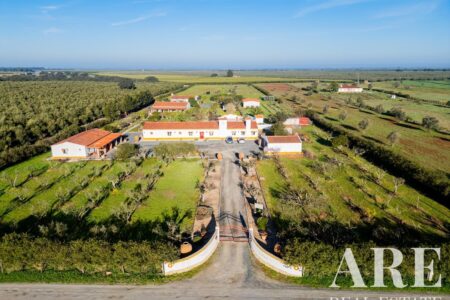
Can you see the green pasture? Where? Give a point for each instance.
(422, 89)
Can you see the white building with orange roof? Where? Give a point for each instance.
(251, 102)
(93, 143)
(160, 106)
(349, 88)
(259, 118)
(282, 145)
(200, 130)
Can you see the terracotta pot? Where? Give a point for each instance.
(263, 235)
(219, 156)
(185, 248)
(277, 248)
(241, 155)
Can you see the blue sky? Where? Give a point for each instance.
(183, 34)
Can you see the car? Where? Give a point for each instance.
(241, 141)
(229, 140)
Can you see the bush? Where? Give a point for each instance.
(173, 150)
(151, 79)
(126, 151)
(126, 84)
(341, 140)
(262, 223)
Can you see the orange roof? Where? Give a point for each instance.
(304, 121)
(105, 140)
(181, 125)
(169, 105)
(196, 125)
(284, 139)
(250, 100)
(94, 138)
(259, 116)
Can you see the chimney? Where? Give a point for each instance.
(248, 124)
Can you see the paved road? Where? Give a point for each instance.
(231, 274)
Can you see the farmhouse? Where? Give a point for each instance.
(182, 98)
(160, 106)
(232, 117)
(259, 119)
(282, 145)
(349, 88)
(93, 143)
(250, 102)
(200, 130)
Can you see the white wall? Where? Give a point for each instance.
(73, 150)
(194, 260)
(350, 90)
(271, 261)
(283, 147)
(184, 134)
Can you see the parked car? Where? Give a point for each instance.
(229, 140)
(241, 141)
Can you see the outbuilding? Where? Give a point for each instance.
(282, 145)
(250, 102)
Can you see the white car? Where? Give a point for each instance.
(241, 141)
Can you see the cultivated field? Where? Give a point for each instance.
(206, 91)
(433, 90)
(342, 187)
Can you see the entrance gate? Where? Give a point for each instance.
(232, 228)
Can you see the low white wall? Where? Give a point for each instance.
(194, 260)
(271, 261)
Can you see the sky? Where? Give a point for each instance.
(221, 34)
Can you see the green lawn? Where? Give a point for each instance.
(176, 188)
(350, 182)
(247, 91)
(117, 196)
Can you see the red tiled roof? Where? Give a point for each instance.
(284, 139)
(250, 100)
(259, 116)
(198, 125)
(94, 138)
(181, 125)
(105, 140)
(304, 121)
(169, 105)
(349, 86)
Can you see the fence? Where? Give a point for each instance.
(196, 259)
(271, 261)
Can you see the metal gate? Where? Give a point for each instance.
(233, 228)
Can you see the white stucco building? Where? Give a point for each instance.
(93, 143)
(349, 88)
(282, 145)
(200, 130)
(250, 102)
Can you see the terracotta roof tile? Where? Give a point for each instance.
(94, 138)
(250, 100)
(181, 125)
(169, 105)
(284, 139)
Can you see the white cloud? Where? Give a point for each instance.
(46, 9)
(52, 30)
(326, 5)
(418, 8)
(156, 14)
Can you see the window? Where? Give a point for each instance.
(179, 132)
(233, 133)
(151, 132)
(253, 132)
(65, 151)
(211, 133)
(169, 133)
(190, 133)
(242, 132)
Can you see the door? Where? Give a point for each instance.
(202, 135)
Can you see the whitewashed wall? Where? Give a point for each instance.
(271, 261)
(196, 259)
(73, 150)
(284, 147)
(250, 104)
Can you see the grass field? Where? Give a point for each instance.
(247, 91)
(177, 188)
(189, 78)
(427, 90)
(343, 191)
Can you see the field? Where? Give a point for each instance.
(189, 78)
(177, 188)
(206, 91)
(433, 90)
(346, 189)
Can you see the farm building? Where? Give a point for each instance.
(182, 98)
(288, 145)
(349, 88)
(159, 106)
(200, 130)
(250, 102)
(297, 122)
(93, 143)
(268, 98)
(259, 119)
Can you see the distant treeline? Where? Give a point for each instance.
(61, 76)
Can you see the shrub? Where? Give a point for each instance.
(430, 122)
(126, 84)
(262, 223)
(340, 140)
(126, 151)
